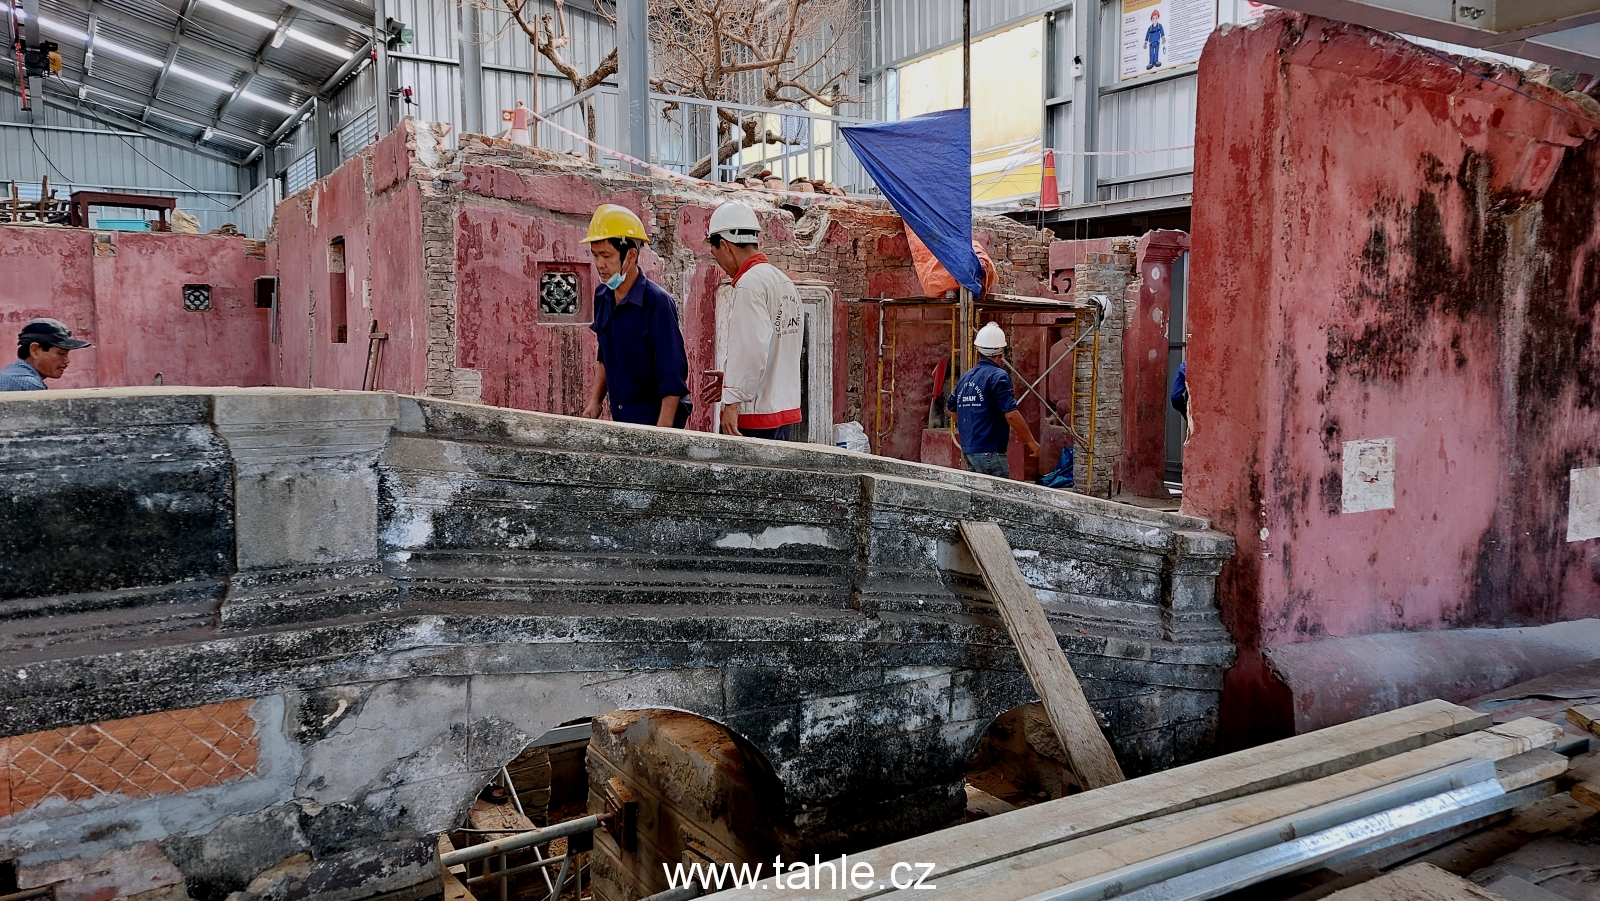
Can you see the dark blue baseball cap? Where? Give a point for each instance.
(51, 333)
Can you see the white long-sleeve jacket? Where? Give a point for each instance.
(761, 359)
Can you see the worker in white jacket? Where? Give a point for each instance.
(760, 374)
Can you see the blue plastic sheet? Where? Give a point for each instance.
(924, 167)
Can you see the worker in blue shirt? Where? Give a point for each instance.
(985, 408)
(643, 367)
(42, 349)
(1152, 39)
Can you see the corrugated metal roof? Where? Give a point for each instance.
(907, 29)
(213, 45)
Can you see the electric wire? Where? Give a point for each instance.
(216, 197)
(47, 160)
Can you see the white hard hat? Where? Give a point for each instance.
(736, 223)
(990, 337)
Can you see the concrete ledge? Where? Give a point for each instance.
(1342, 679)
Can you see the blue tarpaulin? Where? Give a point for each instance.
(924, 167)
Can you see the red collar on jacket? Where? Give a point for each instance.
(748, 264)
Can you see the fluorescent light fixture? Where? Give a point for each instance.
(268, 103)
(333, 50)
(64, 30)
(277, 36)
(197, 78)
(244, 14)
(125, 52)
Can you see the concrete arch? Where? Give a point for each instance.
(383, 599)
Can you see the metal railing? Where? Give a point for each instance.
(687, 131)
(497, 851)
(792, 143)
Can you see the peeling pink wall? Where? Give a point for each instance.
(378, 214)
(454, 258)
(1386, 246)
(125, 293)
(1146, 384)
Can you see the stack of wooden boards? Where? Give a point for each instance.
(1356, 798)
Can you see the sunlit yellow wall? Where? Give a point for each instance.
(1007, 102)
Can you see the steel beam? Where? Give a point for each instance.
(88, 48)
(237, 60)
(170, 111)
(1547, 32)
(250, 74)
(344, 71)
(318, 11)
(289, 123)
(69, 104)
(633, 79)
(471, 68)
(382, 76)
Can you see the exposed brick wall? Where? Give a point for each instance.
(494, 217)
(1107, 275)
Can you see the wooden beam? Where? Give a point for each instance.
(1179, 790)
(1418, 882)
(1585, 717)
(1010, 880)
(1068, 710)
(454, 888)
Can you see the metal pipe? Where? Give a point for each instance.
(524, 840)
(561, 879)
(514, 871)
(511, 787)
(1389, 808)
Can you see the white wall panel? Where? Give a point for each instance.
(1150, 117)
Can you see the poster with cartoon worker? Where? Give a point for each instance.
(1163, 34)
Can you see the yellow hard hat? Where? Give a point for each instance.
(612, 221)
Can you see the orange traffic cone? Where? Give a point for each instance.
(1049, 194)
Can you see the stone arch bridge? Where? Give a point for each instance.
(240, 625)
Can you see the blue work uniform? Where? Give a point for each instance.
(641, 348)
(981, 399)
(1153, 36)
(20, 376)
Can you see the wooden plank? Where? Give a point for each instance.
(1586, 793)
(1550, 816)
(486, 816)
(1585, 717)
(1069, 712)
(980, 801)
(1498, 743)
(454, 888)
(1291, 760)
(1418, 882)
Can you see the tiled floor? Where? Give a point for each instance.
(139, 757)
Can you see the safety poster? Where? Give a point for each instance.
(1160, 34)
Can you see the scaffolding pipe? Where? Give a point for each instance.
(524, 840)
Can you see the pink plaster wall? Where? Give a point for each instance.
(1441, 292)
(383, 278)
(1146, 384)
(125, 293)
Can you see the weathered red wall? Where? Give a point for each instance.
(1387, 246)
(1145, 380)
(124, 292)
(378, 214)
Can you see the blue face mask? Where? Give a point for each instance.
(614, 282)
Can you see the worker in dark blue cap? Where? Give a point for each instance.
(42, 349)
